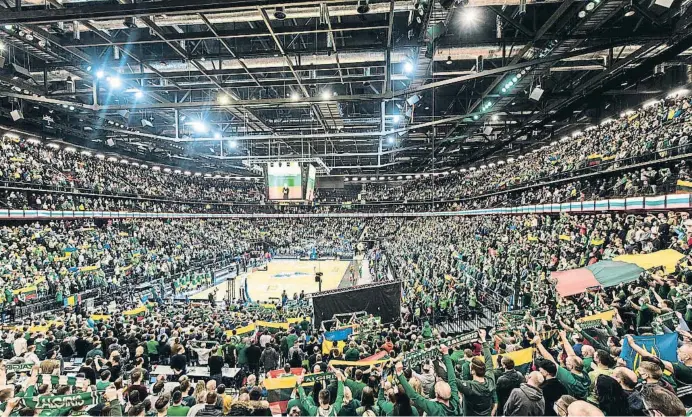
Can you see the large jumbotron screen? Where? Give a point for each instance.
(284, 181)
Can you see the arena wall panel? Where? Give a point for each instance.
(383, 300)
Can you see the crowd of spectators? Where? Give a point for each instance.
(62, 258)
(448, 265)
(30, 163)
(648, 135)
(657, 131)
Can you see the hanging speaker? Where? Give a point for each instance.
(536, 94)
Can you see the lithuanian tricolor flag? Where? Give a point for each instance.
(683, 187)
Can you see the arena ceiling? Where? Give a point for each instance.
(355, 86)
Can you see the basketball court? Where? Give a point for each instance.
(290, 275)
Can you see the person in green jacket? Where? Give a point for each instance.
(355, 385)
(324, 409)
(480, 396)
(352, 354)
(446, 401)
(177, 409)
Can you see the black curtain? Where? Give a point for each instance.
(382, 301)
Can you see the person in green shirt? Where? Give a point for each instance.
(480, 395)
(177, 409)
(153, 349)
(241, 349)
(572, 376)
(305, 324)
(291, 339)
(446, 401)
(324, 409)
(105, 381)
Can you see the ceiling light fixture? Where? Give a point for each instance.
(363, 6)
(279, 13)
(629, 10)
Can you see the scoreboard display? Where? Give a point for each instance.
(290, 180)
(284, 181)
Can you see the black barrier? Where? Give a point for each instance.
(381, 300)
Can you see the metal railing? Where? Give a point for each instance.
(46, 305)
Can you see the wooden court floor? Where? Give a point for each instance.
(290, 275)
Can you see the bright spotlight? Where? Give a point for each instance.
(295, 96)
(396, 118)
(224, 99)
(138, 94)
(408, 67)
(470, 15)
(326, 94)
(199, 127)
(233, 144)
(390, 140)
(217, 135)
(115, 82)
(495, 118)
(99, 74)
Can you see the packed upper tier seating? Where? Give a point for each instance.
(652, 135)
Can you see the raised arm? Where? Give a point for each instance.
(542, 350)
(307, 405)
(451, 377)
(644, 354)
(420, 401)
(566, 345)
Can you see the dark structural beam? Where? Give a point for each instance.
(120, 11)
(509, 19)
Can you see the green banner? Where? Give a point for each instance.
(325, 376)
(52, 402)
(19, 367)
